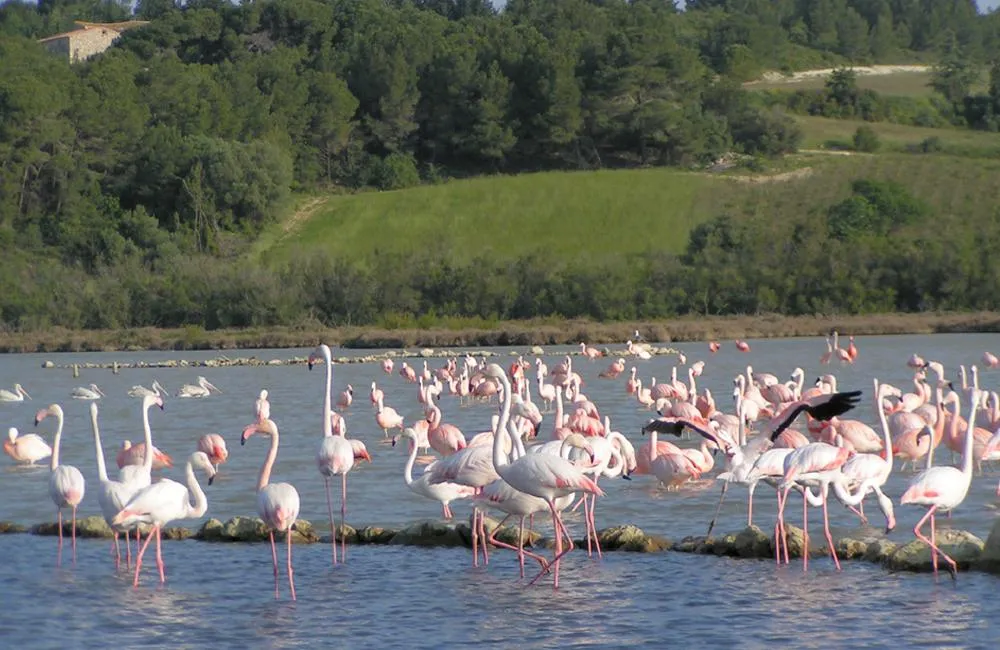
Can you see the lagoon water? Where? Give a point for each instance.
(221, 595)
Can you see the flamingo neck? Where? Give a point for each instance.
(886, 437)
(272, 454)
(327, 409)
(652, 446)
(499, 458)
(147, 454)
(54, 463)
(102, 470)
(194, 489)
(967, 452)
(408, 469)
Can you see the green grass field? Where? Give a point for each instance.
(564, 214)
(896, 137)
(910, 84)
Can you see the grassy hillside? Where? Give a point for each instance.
(897, 137)
(561, 213)
(593, 215)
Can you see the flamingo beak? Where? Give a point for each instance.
(211, 478)
(311, 361)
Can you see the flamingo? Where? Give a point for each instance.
(66, 485)
(277, 503)
(111, 495)
(990, 360)
(93, 392)
(852, 349)
(825, 358)
(203, 388)
(375, 394)
(445, 439)
(590, 352)
(163, 502)
(542, 475)
(713, 346)
(141, 391)
(407, 373)
(261, 408)
(138, 474)
(616, 368)
(387, 366)
(345, 398)
(17, 395)
(637, 351)
(387, 418)
(943, 489)
(916, 362)
(27, 449)
(742, 345)
(214, 446)
(131, 455)
(444, 493)
(336, 454)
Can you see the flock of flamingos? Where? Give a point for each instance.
(521, 467)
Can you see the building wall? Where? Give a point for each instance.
(82, 44)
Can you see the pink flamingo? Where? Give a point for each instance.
(133, 455)
(943, 489)
(445, 439)
(387, 366)
(336, 454)
(277, 503)
(28, 448)
(842, 355)
(632, 383)
(542, 475)
(261, 408)
(616, 368)
(163, 502)
(387, 418)
(345, 398)
(852, 349)
(214, 447)
(590, 352)
(825, 359)
(66, 485)
(713, 346)
(916, 362)
(111, 495)
(742, 345)
(375, 395)
(443, 493)
(990, 360)
(407, 373)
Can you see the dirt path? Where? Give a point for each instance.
(304, 213)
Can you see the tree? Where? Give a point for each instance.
(954, 74)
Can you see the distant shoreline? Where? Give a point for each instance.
(522, 333)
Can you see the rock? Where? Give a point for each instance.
(245, 529)
(211, 531)
(375, 535)
(508, 534)
(689, 544)
(7, 527)
(537, 350)
(752, 542)
(427, 352)
(879, 550)
(795, 538)
(344, 532)
(177, 533)
(92, 526)
(428, 533)
(962, 546)
(851, 549)
(990, 558)
(304, 533)
(631, 538)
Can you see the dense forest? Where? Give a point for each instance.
(131, 184)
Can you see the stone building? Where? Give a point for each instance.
(88, 39)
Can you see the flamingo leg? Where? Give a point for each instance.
(805, 531)
(934, 560)
(291, 572)
(826, 530)
(558, 530)
(343, 517)
(116, 550)
(274, 558)
(593, 525)
(59, 548)
(750, 490)
(718, 509)
(952, 567)
(521, 553)
(159, 556)
(74, 534)
(482, 538)
(333, 526)
(475, 536)
(586, 518)
(138, 559)
(128, 551)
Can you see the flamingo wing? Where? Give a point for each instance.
(822, 407)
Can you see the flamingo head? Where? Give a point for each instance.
(266, 427)
(52, 409)
(362, 454)
(322, 352)
(152, 400)
(200, 460)
(12, 434)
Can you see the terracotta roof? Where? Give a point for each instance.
(84, 25)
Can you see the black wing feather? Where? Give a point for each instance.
(660, 425)
(837, 404)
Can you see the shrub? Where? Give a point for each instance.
(865, 139)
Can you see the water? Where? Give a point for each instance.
(407, 597)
